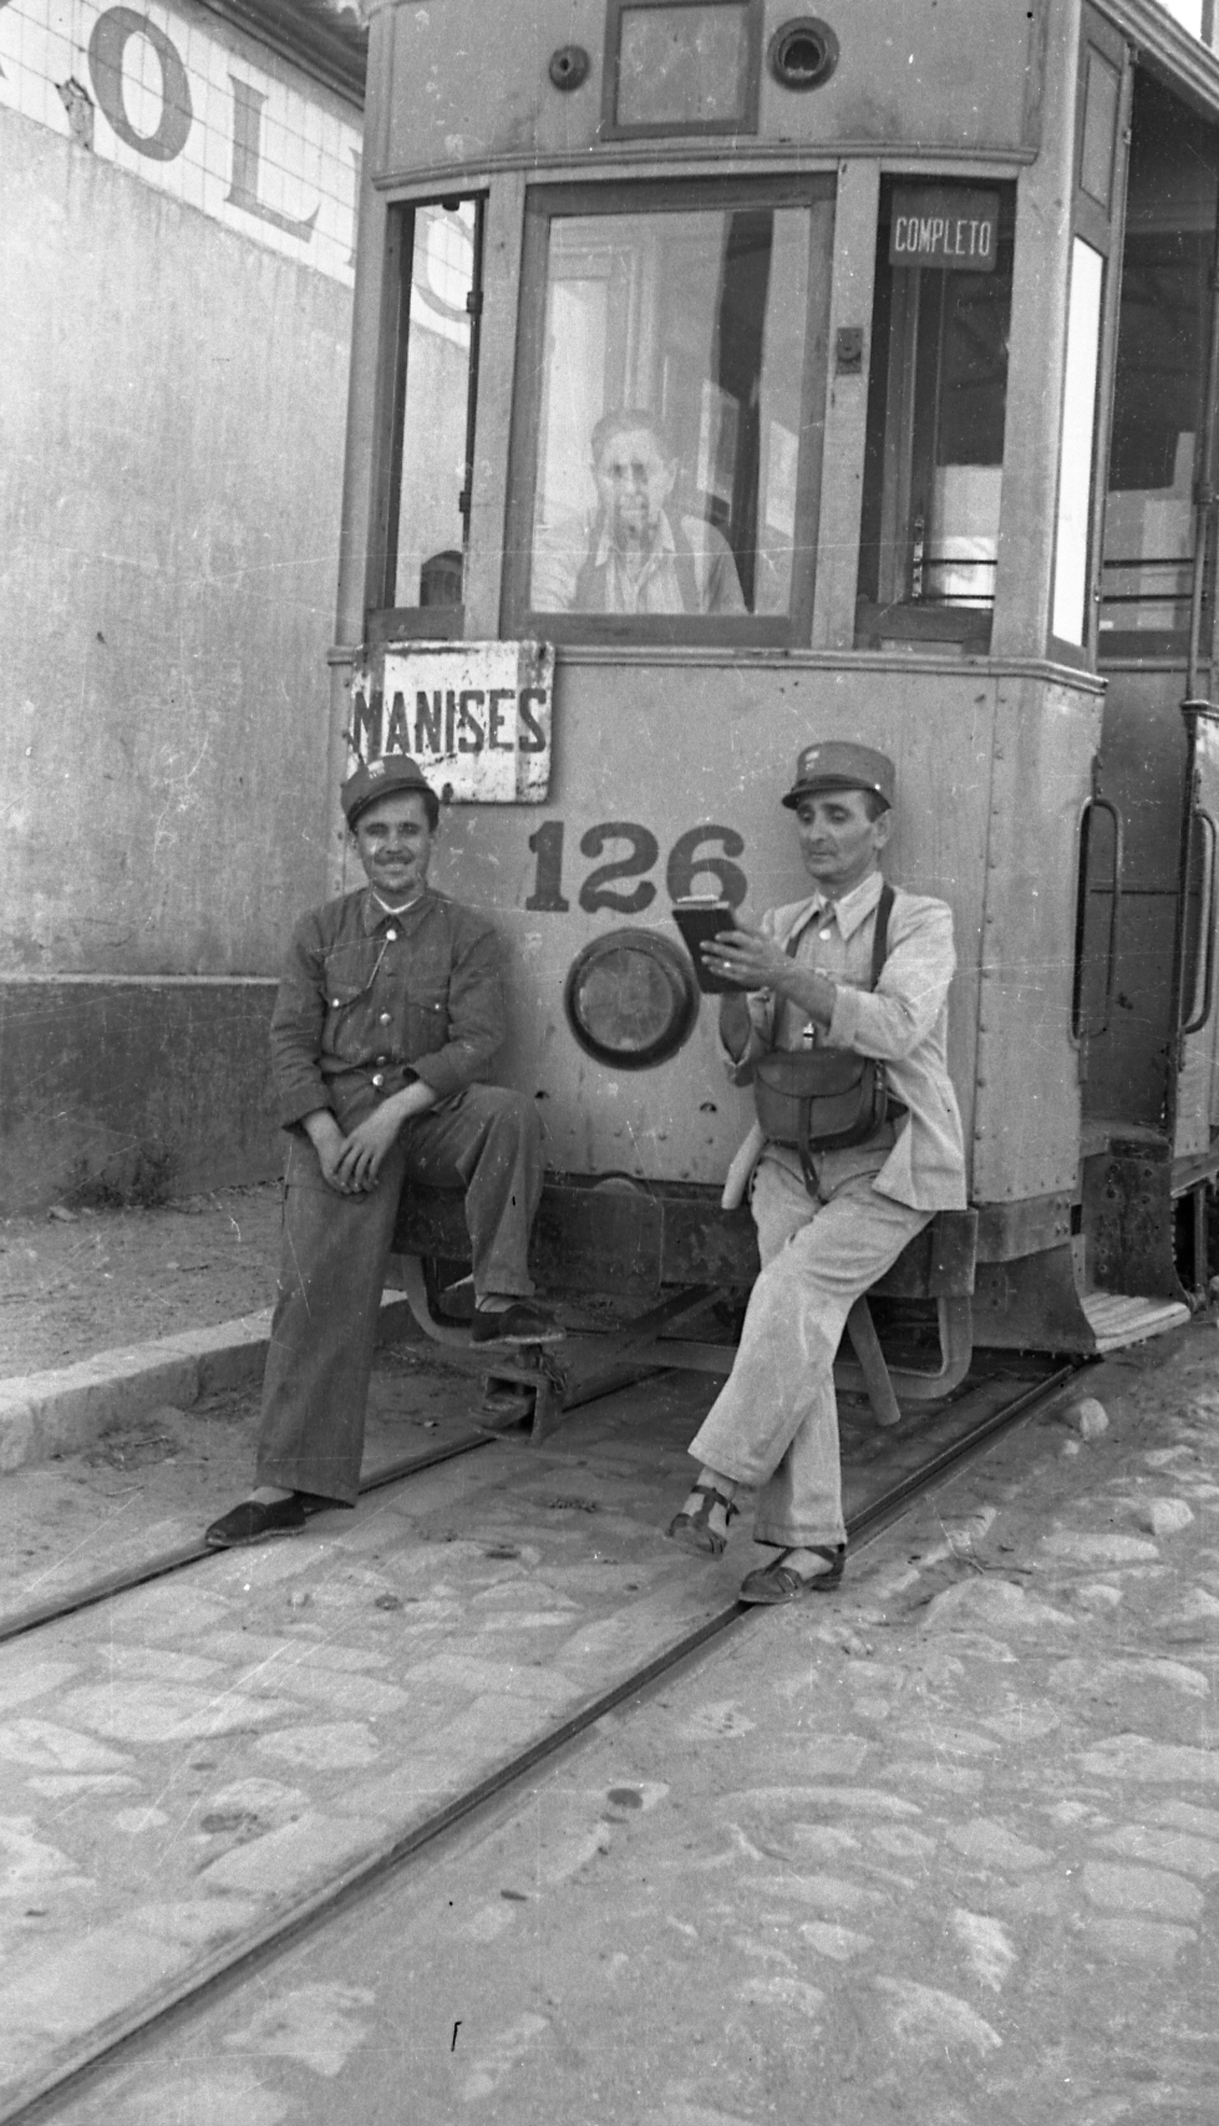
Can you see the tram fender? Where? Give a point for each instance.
(1031, 1304)
(604, 1238)
(1128, 1220)
(631, 1241)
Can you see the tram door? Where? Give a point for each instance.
(1145, 988)
(1197, 1088)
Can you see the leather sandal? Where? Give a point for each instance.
(694, 1531)
(778, 1582)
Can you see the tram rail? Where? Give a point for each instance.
(33, 2098)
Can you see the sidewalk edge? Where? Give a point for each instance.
(68, 1408)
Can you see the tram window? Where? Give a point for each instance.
(668, 453)
(1159, 379)
(937, 401)
(431, 371)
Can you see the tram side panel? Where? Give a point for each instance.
(1027, 1106)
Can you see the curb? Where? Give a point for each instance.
(65, 1410)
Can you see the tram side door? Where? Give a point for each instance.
(1197, 1079)
(1146, 993)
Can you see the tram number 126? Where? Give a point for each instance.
(686, 862)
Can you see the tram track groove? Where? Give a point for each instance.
(229, 1964)
(164, 1563)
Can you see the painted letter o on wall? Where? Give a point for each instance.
(111, 33)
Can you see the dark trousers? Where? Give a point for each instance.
(333, 1256)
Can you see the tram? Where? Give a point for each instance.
(904, 320)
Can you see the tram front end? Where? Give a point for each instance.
(724, 380)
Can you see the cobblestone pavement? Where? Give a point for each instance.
(943, 1849)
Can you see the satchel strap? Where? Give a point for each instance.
(880, 936)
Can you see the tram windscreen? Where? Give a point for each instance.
(670, 419)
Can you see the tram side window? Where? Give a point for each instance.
(423, 505)
(936, 408)
(667, 455)
(1159, 379)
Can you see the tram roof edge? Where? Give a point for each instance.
(326, 38)
(1165, 46)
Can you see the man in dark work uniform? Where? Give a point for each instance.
(389, 1012)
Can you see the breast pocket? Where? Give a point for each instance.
(348, 979)
(427, 1020)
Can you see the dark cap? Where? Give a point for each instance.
(835, 765)
(377, 778)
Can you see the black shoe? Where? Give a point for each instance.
(254, 1520)
(521, 1323)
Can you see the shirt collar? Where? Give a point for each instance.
(663, 542)
(853, 909)
(375, 917)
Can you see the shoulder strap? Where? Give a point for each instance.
(589, 593)
(686, 568)
(880, 936)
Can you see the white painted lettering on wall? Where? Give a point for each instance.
(475, 715)
(196, 109)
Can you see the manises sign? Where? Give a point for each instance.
(476, 716)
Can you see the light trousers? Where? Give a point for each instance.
(333, 1255)
(774, 1424)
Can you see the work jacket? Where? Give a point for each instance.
(369, 1001)
(903, 1022)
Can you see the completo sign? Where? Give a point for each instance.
(939, 225)
(475, 715)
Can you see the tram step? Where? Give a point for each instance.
(1118, 1318)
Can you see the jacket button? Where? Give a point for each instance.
(336, 1001)
(392, 935)
(378, 1077)
(384, 1019)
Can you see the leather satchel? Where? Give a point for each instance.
(825, 1099)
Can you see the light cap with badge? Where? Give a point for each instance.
(836, 764)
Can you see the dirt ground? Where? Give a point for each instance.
(73, 1283)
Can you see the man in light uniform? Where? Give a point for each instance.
(637, 558)
(805, 972)
(388, 1015)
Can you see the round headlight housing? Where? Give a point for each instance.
(631, 999)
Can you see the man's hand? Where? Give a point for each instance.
(748, 957)
(362, 1155)
(365, 1150)
(757, 962)
(328, 1142)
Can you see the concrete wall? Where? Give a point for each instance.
(171, 427)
